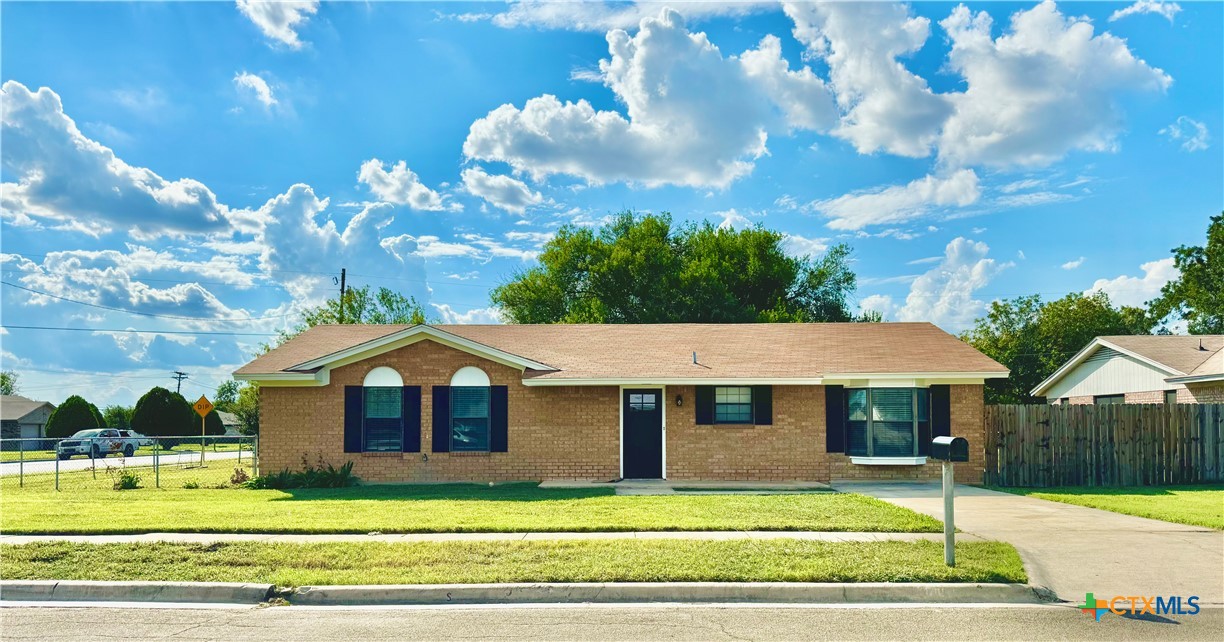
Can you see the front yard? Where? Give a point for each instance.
(625, 560)
(1194, 505)
(436, 509)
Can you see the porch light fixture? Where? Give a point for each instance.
(679, 400)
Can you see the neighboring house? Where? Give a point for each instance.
(751, 402)
(1141, 369)
(23, 418)
(231, 423)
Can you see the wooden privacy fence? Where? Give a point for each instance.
(1105, 445)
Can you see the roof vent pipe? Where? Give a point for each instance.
(695, 355)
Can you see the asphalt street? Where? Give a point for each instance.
(84, 463)
(601, 622)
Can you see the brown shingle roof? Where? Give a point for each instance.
(16, 407)
(1179, 352)
(666, 350)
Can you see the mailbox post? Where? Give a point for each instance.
(949, 450)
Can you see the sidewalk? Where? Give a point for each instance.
(289, 538)
(1075, 550)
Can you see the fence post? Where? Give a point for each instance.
(57, 461)
(255, 456)
(156, 468)
(21, 463)
(93, 463)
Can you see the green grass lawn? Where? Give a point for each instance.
(1193, 505)
(625, 560)
(435, 508)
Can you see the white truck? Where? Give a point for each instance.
(98, 443)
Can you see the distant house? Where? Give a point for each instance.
(231, 423)
(1141, 369)
(23, 418)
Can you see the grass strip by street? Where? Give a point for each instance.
(626, 560)
(439, 508)
(1193, 505)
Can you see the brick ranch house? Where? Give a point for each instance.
(745, 402)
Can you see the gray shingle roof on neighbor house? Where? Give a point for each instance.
(726, 351)
(16, 407)
(1187, 354)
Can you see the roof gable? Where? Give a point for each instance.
(1172, 355)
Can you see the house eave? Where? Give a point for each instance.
(1086, 352)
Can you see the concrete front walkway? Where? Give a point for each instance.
(209, 538)
(1075, 550)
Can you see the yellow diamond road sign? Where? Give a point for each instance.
(203, 406)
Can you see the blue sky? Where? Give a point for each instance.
(224, 161)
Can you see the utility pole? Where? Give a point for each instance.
(178, 378)
(342, 295)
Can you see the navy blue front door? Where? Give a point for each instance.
(643, 433)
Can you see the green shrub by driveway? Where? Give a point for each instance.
(1193, 505)
(624, 560)
(438, 508)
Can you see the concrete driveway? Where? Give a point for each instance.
(1075, 550)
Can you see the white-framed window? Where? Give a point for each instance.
(733, 404)
(469, 399)
(382, 417)
(886, 422)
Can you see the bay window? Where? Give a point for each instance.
(886, 422)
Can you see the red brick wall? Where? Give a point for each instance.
(967, 408)
(792, 448)
(568, 432)
(573, 432)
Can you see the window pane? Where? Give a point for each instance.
(924, 404)
(470, 402)
(382, 435)
(383, 403)
(469, 434)
(892, 404)
(741, 394)
(856, 438)
(892, 439)
(856, 405)
(733, 413)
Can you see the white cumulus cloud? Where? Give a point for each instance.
(279, 19)
(401, 186)
(694, 116)
(505, 192)
(944, 294)
(1071, 265)
(1137, 290)
(899, 203)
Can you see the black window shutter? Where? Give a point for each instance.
(704, 405)
(835, 419)
(412, 419)
(762, 405)
(441, 419)
(499, 433)
(941, 411)
(352, 418)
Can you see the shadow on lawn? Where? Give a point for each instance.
(514, 492)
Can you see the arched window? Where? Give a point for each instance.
(469, 398)
(383, 410)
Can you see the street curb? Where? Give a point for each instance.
(89, 591)
(763, 592)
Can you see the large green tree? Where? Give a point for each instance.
(1033, 338)
(247, 409)
(645, 269)
(227, 395)
(8, 382)
(116, 416)
(1197, 295)
(162, 413)
(359, 305)
(73, 415)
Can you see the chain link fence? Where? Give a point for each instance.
(104, 461)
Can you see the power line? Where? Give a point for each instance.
(136, 332)
(139, 313)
